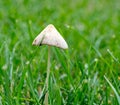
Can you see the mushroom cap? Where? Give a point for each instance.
(50, 36)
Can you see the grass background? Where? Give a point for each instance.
(92, 31)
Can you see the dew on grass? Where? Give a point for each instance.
(4, 67)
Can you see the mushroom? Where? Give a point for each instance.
(51, 37)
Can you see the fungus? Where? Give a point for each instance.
(51, 37)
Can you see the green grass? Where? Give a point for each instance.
(88, 73)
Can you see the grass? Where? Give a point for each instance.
(86, 74)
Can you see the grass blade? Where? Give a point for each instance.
(117, 95)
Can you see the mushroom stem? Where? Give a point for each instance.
(48, 67)
(47, 78)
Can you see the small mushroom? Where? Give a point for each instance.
(51, 37)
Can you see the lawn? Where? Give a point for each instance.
(88, 73)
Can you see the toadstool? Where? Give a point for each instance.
(51, 37)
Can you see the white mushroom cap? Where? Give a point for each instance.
(50, 36)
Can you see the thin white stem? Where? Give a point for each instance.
(48, 67)
(47, 78)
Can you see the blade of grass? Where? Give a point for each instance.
(31, 86)
(116, 93)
